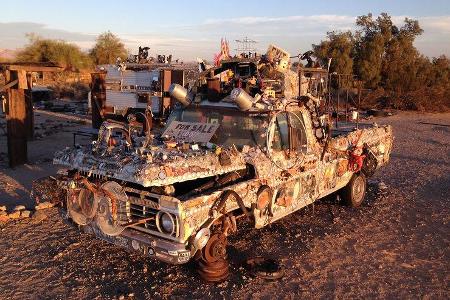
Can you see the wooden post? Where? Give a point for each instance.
(98, 98)
(19, 106)
(15, 122)
(29, 120)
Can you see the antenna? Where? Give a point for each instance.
(245, 45)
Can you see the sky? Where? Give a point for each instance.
(190, 29)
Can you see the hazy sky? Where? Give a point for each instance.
(190, 29)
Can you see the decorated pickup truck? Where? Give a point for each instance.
(261, 149)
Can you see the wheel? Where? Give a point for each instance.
(212, 264)
(353, 193)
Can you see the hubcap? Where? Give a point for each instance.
(358, 189)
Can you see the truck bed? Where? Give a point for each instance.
(346, 127)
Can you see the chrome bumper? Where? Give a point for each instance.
(166, 251)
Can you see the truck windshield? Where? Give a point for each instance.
(235, 127)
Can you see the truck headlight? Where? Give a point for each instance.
(165, 223)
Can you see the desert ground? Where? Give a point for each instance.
(395, 246)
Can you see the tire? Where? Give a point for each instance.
(353, 193)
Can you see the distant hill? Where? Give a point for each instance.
(8, 54)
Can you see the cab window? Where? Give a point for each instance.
(290, 133)
(298, 132)
(235, 127)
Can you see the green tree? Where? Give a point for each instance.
(107, 49)
(60, 52)
(371, 40)
(440, 73)
(383, 55)
(440, 81)
(401, 60)
(339, 47)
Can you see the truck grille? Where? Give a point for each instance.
(143, 206)
(139, 212)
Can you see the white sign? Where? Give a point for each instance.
(136, 88)
(191, 132)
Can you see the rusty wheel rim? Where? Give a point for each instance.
(215, 249)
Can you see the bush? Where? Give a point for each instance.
(67, 55)
(429, 99)
(74, 90)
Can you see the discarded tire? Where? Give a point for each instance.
(266, 268)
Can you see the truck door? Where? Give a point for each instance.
(287, 143)
(287, 148)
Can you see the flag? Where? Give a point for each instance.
(224, 52)
(225, 49)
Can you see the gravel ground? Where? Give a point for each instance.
(395, 246)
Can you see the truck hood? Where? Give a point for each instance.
(157, 167)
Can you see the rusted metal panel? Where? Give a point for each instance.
(166, 79)
(178, 77)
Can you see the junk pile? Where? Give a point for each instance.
(162, 162)
(250, 82)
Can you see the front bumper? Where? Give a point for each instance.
(166, 251)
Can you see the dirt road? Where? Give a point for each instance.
(395, 246)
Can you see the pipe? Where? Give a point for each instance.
(181, 94)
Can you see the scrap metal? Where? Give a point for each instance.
(272, 154)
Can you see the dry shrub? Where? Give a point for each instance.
(74, 90)
(429, 99)
(374, 99)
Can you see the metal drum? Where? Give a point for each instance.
(180, 93)
(243, 100)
